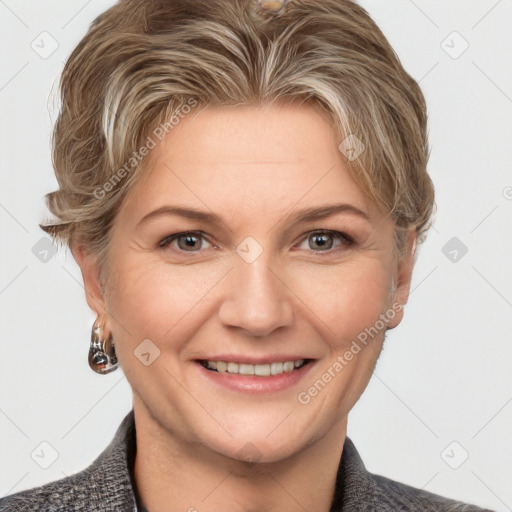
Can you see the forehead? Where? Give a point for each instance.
(251, 156)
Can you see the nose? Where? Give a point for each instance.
(257, 300)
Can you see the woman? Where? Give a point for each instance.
(244, 186)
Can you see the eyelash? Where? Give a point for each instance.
(346, 240)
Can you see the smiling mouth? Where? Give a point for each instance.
(259, 370)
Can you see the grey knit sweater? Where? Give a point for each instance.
(107, 486)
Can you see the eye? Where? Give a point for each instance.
(189, 241)
(324, 241)
(319, 241)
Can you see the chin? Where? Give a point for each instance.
(261, 450)
(258, 442)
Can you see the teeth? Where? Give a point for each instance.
(288, 366)
(232, 367)
(247, 369)
(261, 370)
(276, 368)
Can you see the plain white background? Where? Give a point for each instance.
(441, 396)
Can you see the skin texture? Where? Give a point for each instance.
(255, 167)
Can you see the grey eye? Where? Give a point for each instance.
(322, 241)
(187, 242)
(325, 241)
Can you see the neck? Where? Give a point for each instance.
(173, 474)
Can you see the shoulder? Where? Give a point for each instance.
(105, 485)
(395, 495)
(363, 491)
(79, 492)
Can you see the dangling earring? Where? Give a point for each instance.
(102, 353)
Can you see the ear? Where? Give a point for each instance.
(402, 278)
(91, 272)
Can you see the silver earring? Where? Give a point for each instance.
(102, 353)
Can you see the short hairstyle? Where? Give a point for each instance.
(141, 64)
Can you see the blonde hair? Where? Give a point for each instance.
(141, 63)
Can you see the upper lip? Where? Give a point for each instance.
(244, 359)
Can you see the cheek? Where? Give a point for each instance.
(154, 300)
(151, 299)
(348, 298)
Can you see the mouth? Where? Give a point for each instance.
(255, 370)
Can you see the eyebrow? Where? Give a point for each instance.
(305, 215)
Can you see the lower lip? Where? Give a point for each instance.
(255, 384)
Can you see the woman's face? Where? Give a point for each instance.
(262, 274)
